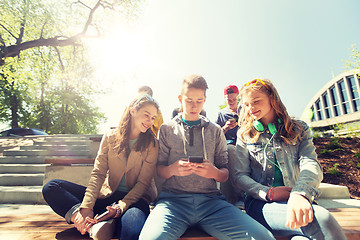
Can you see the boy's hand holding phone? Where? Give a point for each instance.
(205, 169)
(230, 124)
(181, 168)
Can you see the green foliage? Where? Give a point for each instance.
(222, 106)
(316, 134)
(357, 154)
(352, 129)
(335, 171)
(51, 86)
(325, 152)
(334, 143)
(337, 127)
(358, 165)
(354, 61)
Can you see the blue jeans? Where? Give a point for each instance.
(62, 195)
(174, 213)
(273, 217)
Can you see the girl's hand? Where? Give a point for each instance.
(113, 211)
(79, 219)
(299, 211)
(279, 194)
(205, 169)
(181, 168)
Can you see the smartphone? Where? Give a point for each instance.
(235, 119)
(104, 213)
(195, 159)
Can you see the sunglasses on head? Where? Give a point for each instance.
(255, 81)
(148, 97)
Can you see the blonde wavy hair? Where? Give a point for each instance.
(124, 128)
(290, 130)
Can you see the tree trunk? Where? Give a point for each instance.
(14, 111)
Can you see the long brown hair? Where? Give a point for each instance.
(124, 128)
(290, 130)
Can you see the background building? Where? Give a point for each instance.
(338, 102)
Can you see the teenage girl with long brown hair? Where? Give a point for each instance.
(122, 177)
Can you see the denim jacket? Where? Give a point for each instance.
(254, 173)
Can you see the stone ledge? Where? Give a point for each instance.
(331, 191)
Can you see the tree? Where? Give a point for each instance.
(37, 19)
(46, 80)
(354, 61)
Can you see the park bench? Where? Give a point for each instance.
(347, 217)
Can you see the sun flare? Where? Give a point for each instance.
(117, 56)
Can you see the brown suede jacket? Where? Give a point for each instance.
(109, 168)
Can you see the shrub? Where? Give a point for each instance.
(325, 152)
(334, 143)
(335, 171)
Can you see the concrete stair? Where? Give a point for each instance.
(22, 169)
(20, 194)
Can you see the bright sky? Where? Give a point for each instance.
(299, 45)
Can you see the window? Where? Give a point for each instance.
(344, 97)
(354, 92)
(318, 110)
(334, 98)
(326, 103)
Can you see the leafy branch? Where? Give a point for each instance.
(56, 41)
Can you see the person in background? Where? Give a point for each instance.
(192, 159)
(227, 119)
(159, 118)
(276, 164)
(123, 177)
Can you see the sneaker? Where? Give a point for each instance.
(102, 230)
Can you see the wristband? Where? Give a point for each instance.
(271, 194)
(118, 211)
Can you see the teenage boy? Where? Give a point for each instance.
(228, 121)
(192, 158)
(228, 116)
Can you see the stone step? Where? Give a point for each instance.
(21, 195)
(56, 147)
(16, 179)
(331, 191)
(62, 142)
(22, 168)
(84, 153)
(60, 136)
(30, 159)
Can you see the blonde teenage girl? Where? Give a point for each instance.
(277, 166)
